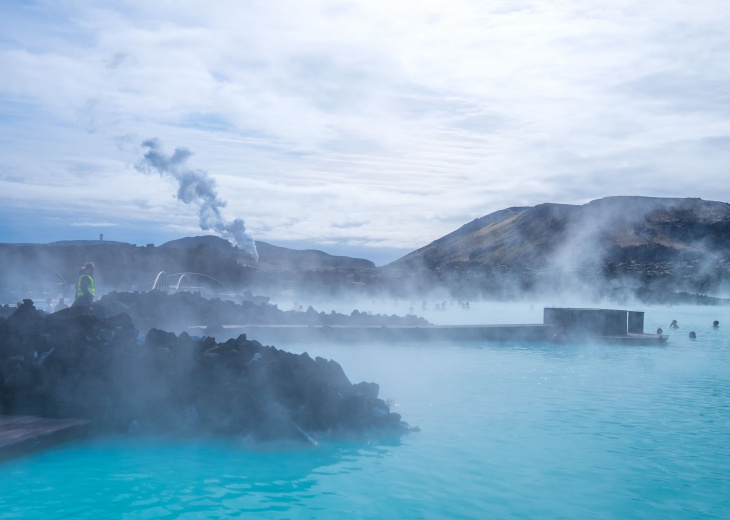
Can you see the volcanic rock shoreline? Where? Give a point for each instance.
(177, 312)
(75, 364)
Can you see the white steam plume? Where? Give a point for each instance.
(199, 188)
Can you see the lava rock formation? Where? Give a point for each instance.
(75, 364)
(177, 312)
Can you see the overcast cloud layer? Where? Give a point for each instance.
(354, 127)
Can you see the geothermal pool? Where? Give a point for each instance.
(508, 431)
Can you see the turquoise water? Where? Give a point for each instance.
(508, 431)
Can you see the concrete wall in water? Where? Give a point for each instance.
(594, 322)
(636, 322)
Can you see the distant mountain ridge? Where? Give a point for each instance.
(615, 247)
(65, 243)
(637, 244)
(204, 240)
(276, 257)
(49, 269)
(603, 229)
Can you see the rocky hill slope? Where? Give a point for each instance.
(677, 244)
(604, 229)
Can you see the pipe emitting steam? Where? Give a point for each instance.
(199, 188)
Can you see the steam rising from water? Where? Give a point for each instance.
(196, 187)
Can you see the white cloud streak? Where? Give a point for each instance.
(410, 118)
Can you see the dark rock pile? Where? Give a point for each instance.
(7, 310)
(178, 312)
(75, 364)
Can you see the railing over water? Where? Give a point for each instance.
(179, 282)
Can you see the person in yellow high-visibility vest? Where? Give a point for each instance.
(85, 286)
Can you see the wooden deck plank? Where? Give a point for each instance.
(21, 434)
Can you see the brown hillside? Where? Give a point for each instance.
(606, 229)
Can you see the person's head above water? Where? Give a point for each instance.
(692, 335)
(715, 323)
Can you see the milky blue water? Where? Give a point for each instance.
(508, 431)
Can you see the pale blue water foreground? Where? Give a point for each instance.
(508, 431)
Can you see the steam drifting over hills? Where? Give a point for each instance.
(617, 248)
(656, 243)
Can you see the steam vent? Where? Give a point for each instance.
(74, 364)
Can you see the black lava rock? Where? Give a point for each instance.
(74, 363)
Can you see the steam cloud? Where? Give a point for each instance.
(199, 188)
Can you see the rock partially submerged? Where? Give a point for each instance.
(75, 364)
(179, 311)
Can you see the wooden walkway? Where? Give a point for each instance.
(21, 434)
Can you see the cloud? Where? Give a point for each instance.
(411, 118)
(93, 224)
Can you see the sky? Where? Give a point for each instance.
(364, 128)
